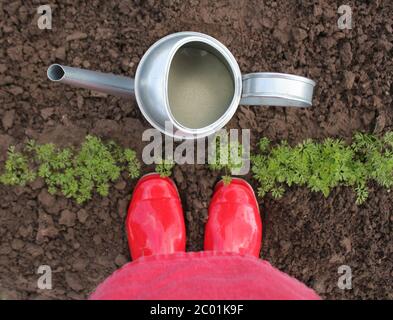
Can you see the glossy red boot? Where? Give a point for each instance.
(155, 222)
(234, 223)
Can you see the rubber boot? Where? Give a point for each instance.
(155, 221)
(234, 223)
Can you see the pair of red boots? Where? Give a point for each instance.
(155, 221)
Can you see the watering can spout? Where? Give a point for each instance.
(97, 81)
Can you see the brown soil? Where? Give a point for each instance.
(306, 235)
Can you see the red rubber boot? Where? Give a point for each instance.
(234, 223)
(155, 222)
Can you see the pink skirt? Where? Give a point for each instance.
(204, 275)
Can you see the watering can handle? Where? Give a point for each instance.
(277, 89)
(93, 80)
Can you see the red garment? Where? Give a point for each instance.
(205, 275)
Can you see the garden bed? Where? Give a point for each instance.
(305, 235)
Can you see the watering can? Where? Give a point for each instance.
(193, 82)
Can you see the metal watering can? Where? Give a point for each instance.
(151, 85)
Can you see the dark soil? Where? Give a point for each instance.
(306, 235)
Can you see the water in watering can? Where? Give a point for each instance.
(200, 87)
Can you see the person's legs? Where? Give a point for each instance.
(155, 225)
(234, 223)
(155, 222)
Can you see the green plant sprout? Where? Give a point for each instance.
(326, 165)
(17, 170)
(320, 166)
(164, 167)
(226, 157)
(75, 174)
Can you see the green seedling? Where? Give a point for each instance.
(164, 167)
(226, 157)
(17, 170)
(322, 166)
(74, 173)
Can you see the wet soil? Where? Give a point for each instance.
(306, 235)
